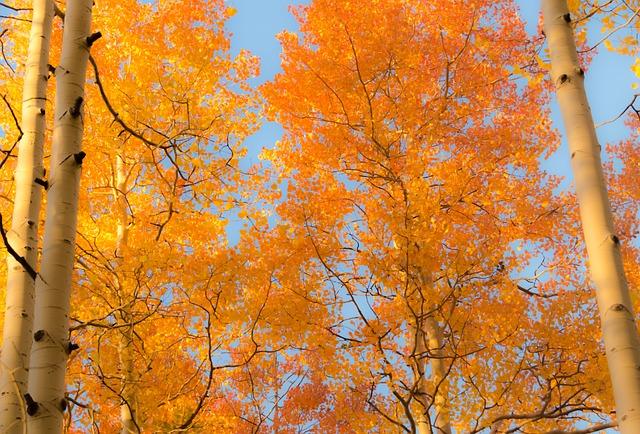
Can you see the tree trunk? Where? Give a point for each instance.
(128, 406)
(125, 350)
(429, 343)
(53, 287)
(438, 375)
(423, 424)
(23, 236)
(603, 246)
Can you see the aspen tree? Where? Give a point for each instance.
(603, 246)
(23, 236)
(51, 346)
(128, 406)
(429, 342)
(429, 346)
(435, 342)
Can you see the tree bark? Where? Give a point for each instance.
(438, 375)
(23, 236)
(429, 342)
(423, 422)
(50, 348)
(129, 404)
(125, 350)
(619, 330)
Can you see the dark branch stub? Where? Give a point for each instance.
(93, 38)
(79, 157)
(72, 347)
(42, 182)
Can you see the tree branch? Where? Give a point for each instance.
(20, 259)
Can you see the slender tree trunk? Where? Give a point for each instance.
(429, 345)
(23, 236)
(51, 338)
(423, 422)
(125, 350)
(429, 340)
(603, 246)
(438, 375)
(276, 393)
(128, 407)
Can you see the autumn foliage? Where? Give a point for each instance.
(403, 262)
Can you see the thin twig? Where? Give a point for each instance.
(116, 115)
(13, 8)
(20, 259)
(631, 106)
(9, 152)
(4, 56)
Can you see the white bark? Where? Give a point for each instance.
(423, 422)
(125, 350)
(616, 311)
(23, 236)
(435, 343)
(53, 287)
(128, 407)
(429, 341)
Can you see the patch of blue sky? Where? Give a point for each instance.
(254, 27)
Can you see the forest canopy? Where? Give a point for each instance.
(404, 258)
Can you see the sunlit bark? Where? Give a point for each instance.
(603, 246)
(125, 350)
(23, 236)
(51, 345)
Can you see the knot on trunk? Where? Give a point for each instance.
(74, 110)
(564, 78)
(39, 335)
(32, 405)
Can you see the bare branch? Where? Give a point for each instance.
(592, 429)
(20, 259)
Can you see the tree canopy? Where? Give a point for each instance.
(403, 262)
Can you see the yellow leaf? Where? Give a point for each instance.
(636, 68)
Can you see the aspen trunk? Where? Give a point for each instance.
(125, 350)
(51, 338)
(423, 424)
(429, 339)
(23, 236)
(619, 330)
(438, 373)
(128, 407)
(276, 393)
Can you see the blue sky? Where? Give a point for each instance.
(608, 81)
